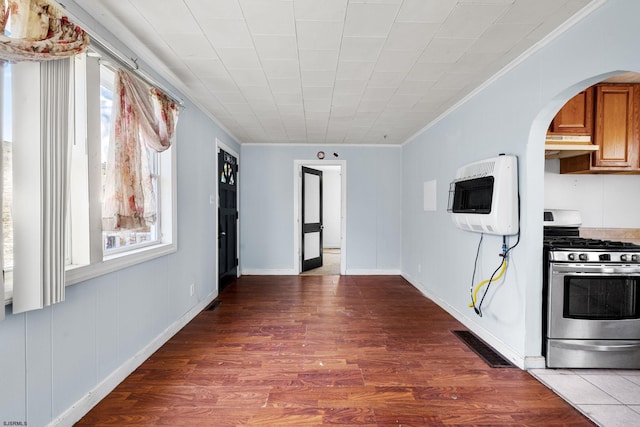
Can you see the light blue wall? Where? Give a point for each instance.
(509, 115)
(51, 358)
(267, 212)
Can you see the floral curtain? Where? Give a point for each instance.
(144, 121)
(37, 30)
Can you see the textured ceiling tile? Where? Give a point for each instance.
(220, 84)
(369, 20)
(345, 100)
(269, 16)
(415, 87)
(317, 105)
(288, 98)
(318, 59)
(377, 95)
(354, 70)
(276, 47)
(166, 16)
(325, 10)
(257, 93)
(349, 86)
(293, 85)
(403, 101)
(206, 66)
(281, 68)
(231, 98)
(470, 21)
(245, 61)
(445, 50)
(452, 81)
(317, 35)
(433, 11)
(361, 48)
(227, 33)
(249, 77)
(424, 71)
(239, 57)
(221, 9)
(318, 77)
(317, 92)
(410, 35)
(386, 78)
(523, 12)
(396, 60)
(500, 38)
(187, 46)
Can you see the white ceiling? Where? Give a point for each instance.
(329, 71)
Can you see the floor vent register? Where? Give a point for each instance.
(482, 349)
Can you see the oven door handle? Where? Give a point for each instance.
(597, 345)
(575, 269)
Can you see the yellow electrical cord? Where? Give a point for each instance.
(474, 298)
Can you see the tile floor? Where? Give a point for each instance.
(608, 397)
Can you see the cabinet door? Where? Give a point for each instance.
(616, 128)
(576, 116)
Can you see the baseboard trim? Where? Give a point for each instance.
(507, 352)
(267, 272)
(372, 272)
(106, 386)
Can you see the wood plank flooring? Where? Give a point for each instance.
(326, 350)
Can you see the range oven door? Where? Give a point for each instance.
(594, 302)
(593, 316)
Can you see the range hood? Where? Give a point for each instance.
(562, 146)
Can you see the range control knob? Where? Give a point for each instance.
(635, 258)
(571, 257)
(583, 257)
(624, 257)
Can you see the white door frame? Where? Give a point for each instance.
(297, 212)
(222, 146)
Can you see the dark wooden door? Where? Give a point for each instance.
(311, 218)
(227, 219)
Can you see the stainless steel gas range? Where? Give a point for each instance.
(591, 298)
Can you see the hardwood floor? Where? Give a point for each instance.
(326, 350)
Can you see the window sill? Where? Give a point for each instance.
(80, 273)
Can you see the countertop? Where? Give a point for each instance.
(631, 235)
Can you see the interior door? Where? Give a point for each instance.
(227, 219)
(311, 218)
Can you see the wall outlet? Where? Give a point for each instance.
(419, 268)
(192, 289)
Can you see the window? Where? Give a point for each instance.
(95, 248)
(123, 239)
(90, 250)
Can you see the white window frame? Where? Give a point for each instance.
(87, 259)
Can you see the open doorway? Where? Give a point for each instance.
(331, 234)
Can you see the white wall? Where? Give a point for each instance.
(267, 215)
(604, 200)
(331, 198)
(508, 115)
(51, 358)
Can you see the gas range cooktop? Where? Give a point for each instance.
(581, 243)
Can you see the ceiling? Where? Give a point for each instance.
(329, 71)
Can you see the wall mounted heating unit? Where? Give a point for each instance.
(484, 196)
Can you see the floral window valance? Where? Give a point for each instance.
(37, 30)
(144, 118)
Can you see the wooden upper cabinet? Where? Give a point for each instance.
(616, 131)
(616, 126)
(576, 116)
